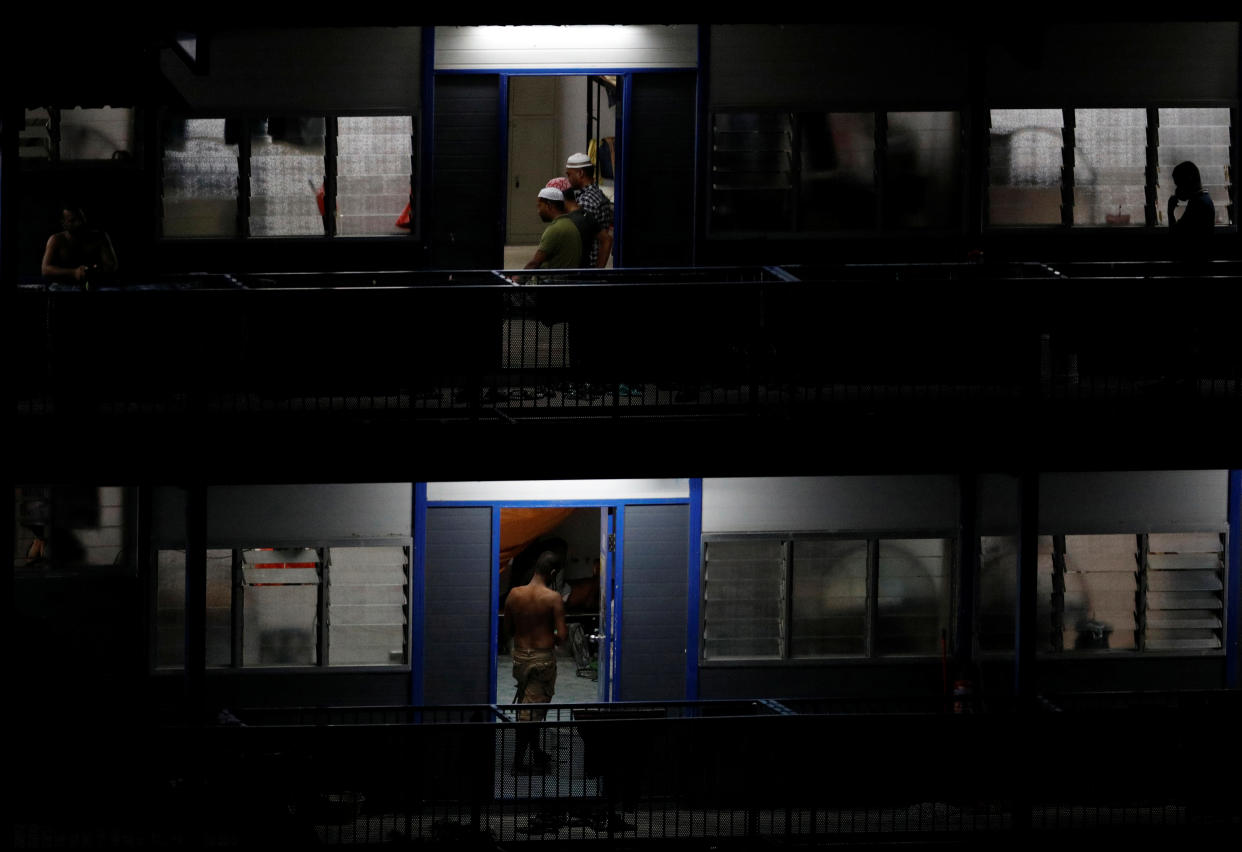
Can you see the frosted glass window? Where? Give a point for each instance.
(35, 138)
(1200, 135)
(96, 134)
(367, 606)
(1185, 592)
(281, 607)
(373, 173)
(1099, 585)
(1110, 166)
(924, 170)
(200, 178)
(912, 602)
(837, 171)
(1024, 166)
(829, 598)
(743, 599)
(170, 608)
(752, 171)
(286, 176)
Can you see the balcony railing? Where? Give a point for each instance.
(618, 343)
(755, 771)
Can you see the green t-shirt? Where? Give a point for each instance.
(561, 245)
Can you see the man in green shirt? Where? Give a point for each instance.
(560, 247)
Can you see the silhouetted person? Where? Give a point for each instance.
(1191, 232)
(535, 617)
(79, 252)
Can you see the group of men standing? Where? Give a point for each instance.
(579, 217)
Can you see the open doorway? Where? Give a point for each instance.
(578, 534)
(550, 118)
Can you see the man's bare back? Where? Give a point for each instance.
(535, 616)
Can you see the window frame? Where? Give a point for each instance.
(331, 157)
(1045, 652)
(1154, 206)
(880, 172)
(788, 540)
(237, 612)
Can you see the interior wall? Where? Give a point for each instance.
(571, 93)
(327, 68)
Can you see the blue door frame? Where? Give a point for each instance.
(418, 569)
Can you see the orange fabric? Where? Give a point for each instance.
(519, 527)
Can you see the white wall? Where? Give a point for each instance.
(588, 47)
(277, 515)
(830, 503)
(560, 489)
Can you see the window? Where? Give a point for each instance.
(1102, 167)
(373, 173)
(286, 176)
(1201, 135)
(1025, 166)
(1110, 166)
(268, 607)
(1157, 592)
(59, 527)
(54, 134)
(816, 172)
(808, 597)
(284, 172)
(200, 178)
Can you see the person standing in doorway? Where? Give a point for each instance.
(560, 247)
(535, 619)
(581, 173)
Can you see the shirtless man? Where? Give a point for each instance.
(77, 251)
(535, 618)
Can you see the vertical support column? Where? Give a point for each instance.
(11, 119)
(1028, 554)
(1233, 582)
(702, 141)
(694, 591)
(871, 619)
(1151, 204)
(243, 179)
(976, 141)
(963, 648)
(195, 600)
(881, 168)
(418, 563)
(329, 175)
(622, 170)
(424, 122)
(1067, 168)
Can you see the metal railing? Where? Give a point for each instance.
(616, 343)
(758, 770)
